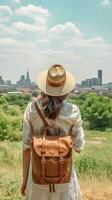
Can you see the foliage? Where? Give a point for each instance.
(11, 116)
(88, 165)
(11, 123)
(16, 99)
(96, 111)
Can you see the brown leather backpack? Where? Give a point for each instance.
(51, 155)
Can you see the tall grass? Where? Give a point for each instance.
(86, 165)
(94, 188)
(10, 171)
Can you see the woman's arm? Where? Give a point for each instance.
(26, 148)
(26, 163)
(77, 131)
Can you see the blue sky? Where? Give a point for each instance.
(74, 33)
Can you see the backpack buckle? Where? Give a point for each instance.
(61, 160)
(43, 160)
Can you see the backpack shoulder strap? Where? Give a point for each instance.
(40, 114)
(70, 131)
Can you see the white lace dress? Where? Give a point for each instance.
(70, 115)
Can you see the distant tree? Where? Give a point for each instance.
(97, 110)
(10, 122)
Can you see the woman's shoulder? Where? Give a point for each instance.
(69, 108)
(30, 107)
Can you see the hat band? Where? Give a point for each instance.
(55, 84)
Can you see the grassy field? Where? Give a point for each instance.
(93, 166)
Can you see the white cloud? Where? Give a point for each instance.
(16, 1)
(11, 43)
(40, 21)
(39, 16)
(106, 2)
(36, 17)
(4, 30)
(5, 13)
(61, 33)
(32, 11)
(37, 13)
(58, 53)
(83, 42)
(68, 29)
(21, 26)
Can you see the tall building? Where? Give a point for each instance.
(24, 81)
(8, 82)
(28, 80)
(93, 81)
(27, 75)
(100, 76)
(2, 82)
(87, 83)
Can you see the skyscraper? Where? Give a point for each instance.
(100, 76)
(2, 82)
(28, 80)
(25, 80)
(27, 76)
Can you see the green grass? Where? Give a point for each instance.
(10, 170)
(94, 163)
(101, 152)
(96, 157)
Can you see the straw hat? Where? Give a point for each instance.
(55, 81)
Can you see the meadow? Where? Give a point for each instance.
(93, 167)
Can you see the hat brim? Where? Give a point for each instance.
(55, 91)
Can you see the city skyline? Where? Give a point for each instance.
(94, 81)
(26, 77)
(37, 34)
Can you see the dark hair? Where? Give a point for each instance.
(53, 106)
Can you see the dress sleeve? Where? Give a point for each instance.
(77, 130)
(26, 129)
